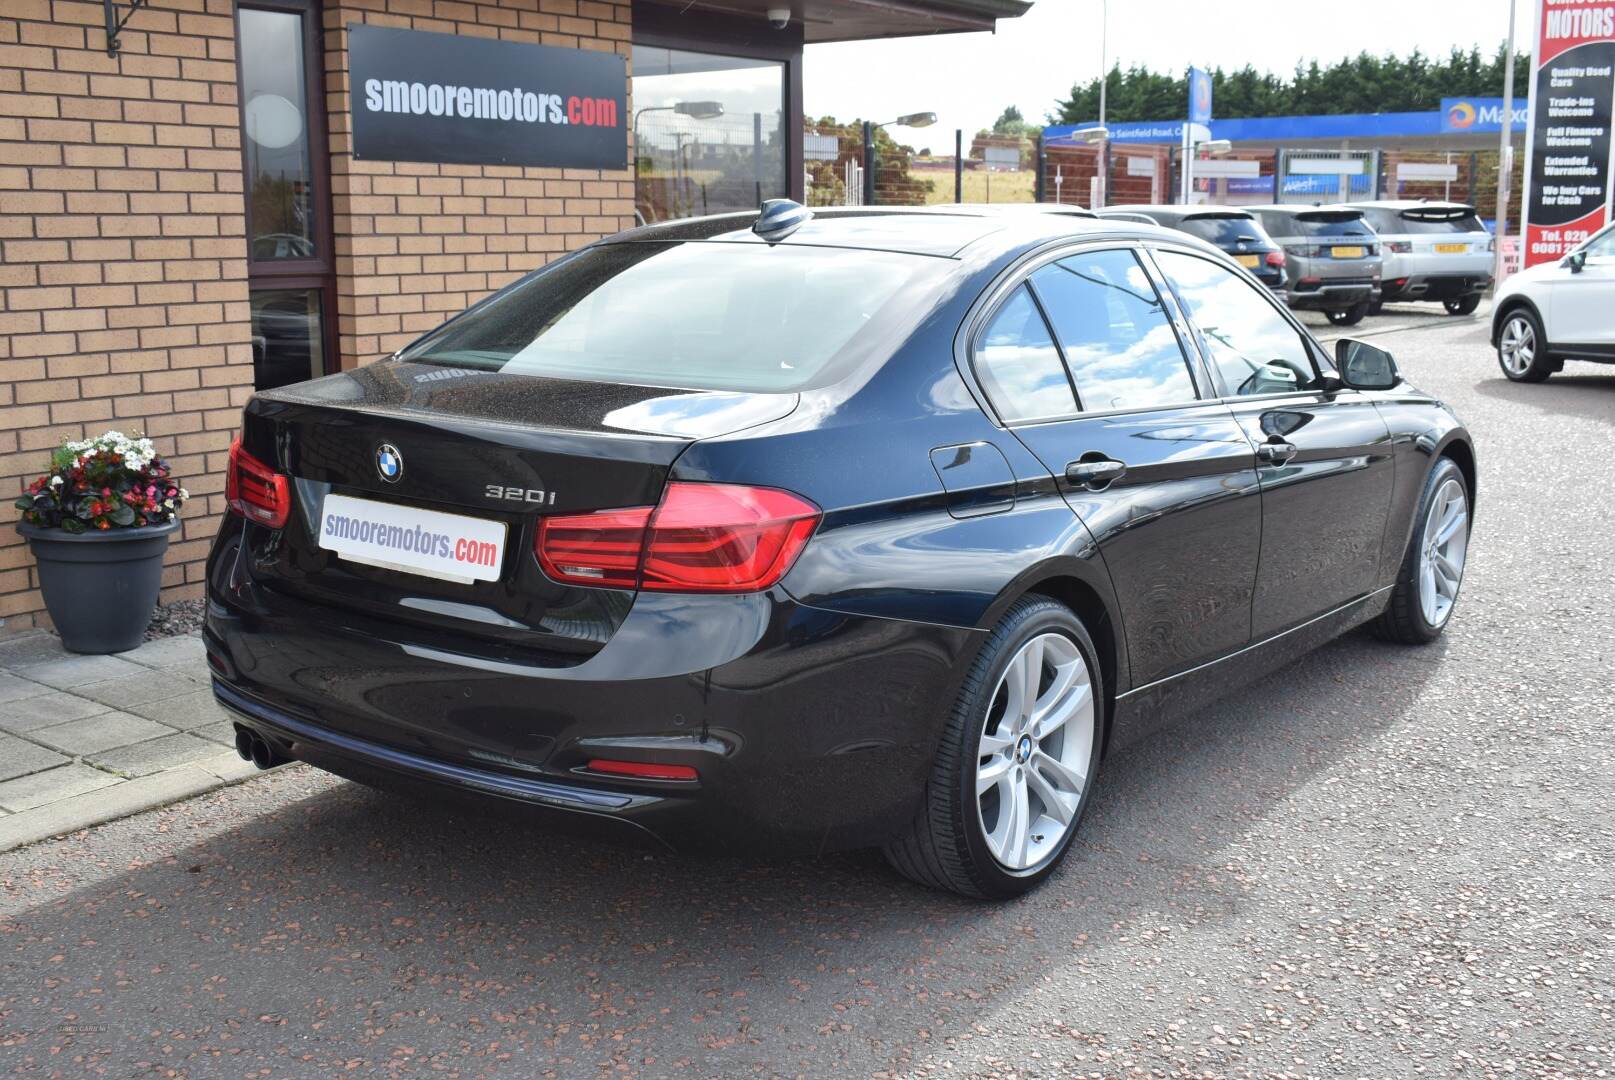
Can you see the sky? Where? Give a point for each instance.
(968, 79)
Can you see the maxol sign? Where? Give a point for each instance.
(1472, 116)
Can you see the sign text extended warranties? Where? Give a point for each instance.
(471, 101)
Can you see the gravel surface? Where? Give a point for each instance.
(1380, 862)
(180, 617)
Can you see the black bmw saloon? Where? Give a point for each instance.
(857, 528)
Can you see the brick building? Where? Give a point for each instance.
(189, 216)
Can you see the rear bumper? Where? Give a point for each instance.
(808, 729)
(1435, 286)
(1331, 296)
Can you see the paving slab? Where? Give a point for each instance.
(168, 652)
(52, 785)
(186, 712)
(94, 734)
(30, 648)
(48, 709)
(223, 732)
(119, 800)
(142, 688)
(72, 672)
(13, 688)
(18, 757)
(154, 755)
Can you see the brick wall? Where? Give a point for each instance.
(123, 281)
(417, 243)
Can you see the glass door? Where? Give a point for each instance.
(287, 174)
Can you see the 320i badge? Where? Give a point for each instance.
(813, 531)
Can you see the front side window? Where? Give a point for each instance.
(1114, 332)
(747, 317)
(1601, 246)
(1019, 366)
(1253, 348)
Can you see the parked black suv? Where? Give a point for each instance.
(1226, 227)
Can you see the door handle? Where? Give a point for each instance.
(1096, 475)
(1275, 451)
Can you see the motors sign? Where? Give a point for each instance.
(1567, 170)
(420, 96)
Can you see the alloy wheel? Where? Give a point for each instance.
(1035, 752)
(1517, 345)
(1443, 547)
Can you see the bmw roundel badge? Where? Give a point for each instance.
(389, 463)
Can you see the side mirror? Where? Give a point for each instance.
(1365, 367)
(1576, 260)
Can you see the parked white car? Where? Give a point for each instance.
(1558, 311)
(1432, 251)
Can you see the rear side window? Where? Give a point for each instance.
(1254, 349)
(708, 316)
(1114, 332)
(1019, 366)
(1224, 230)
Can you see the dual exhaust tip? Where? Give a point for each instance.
(253, 747)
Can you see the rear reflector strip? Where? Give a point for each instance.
(642, 770)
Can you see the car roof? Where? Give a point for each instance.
(1176, 212)
(944, 230)
(1409, 204)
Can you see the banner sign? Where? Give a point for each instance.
(419, 96)
(1567, 146)
(1199, 96)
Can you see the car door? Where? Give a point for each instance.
(1324, 456)
(1580, 303)
(1087, 362)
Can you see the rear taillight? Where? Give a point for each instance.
(702, 538)
(1275, 258)
(1399, 247)
(255, 491)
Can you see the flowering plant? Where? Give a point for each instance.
(112, 481)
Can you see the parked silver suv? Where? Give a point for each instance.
(1332, 258)
(1432, 251)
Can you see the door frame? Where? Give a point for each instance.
(316, 274)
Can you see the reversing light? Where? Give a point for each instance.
(642, 770)
(715, 538)
(255, 491)
(1399, 247)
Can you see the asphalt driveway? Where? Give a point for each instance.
(1379, 862)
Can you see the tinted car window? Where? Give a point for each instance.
(1253, 348)
(1602, 245)
(1113, 329)
(1329, 225)
(718, 316)
(1223, 231)
(1019, 366)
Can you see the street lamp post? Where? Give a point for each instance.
(1505, 159)
(695, 110)
(910, 120)
(1099, 135)
(1104, 78)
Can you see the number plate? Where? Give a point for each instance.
(1249, 260)
(449, 547)
(1348, 252)
(1452, 249)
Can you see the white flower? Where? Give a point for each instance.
(55, 481)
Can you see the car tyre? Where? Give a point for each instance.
(1522, 348)
(1462, 305)
(962, 840)
(1376, 307)
(1427, 583)
(1351, 316)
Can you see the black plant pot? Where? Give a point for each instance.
(100, 587)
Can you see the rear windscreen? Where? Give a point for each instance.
(708, 316)
(1443, 223)
(1316, 224)
(1223, 230)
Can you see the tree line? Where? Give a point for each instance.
(1361, 84)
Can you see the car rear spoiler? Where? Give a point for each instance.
(1435, 213)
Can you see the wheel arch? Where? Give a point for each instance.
(1462, 452)
(1512, 304)
(1085, 589)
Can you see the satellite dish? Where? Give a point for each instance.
(273, 122)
